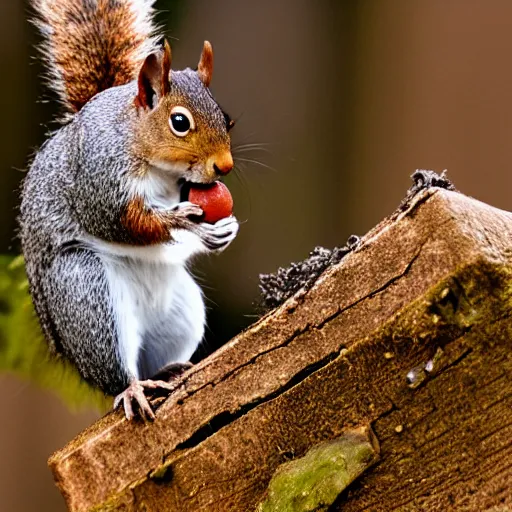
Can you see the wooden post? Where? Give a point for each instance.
(409, 334)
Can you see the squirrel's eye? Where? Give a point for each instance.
(181, 121)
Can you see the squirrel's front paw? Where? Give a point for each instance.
(186, 209)
(216, 237)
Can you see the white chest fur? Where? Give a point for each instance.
(159, 312)
(158, 308)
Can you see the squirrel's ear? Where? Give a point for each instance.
(154, 80)
(166, 69)
(205, 66)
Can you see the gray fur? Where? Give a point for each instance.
(200, 100)
(76, 292)
(75, 191)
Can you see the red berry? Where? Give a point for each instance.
(215, 200)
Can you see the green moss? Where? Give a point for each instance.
(467, 298)
(313, 482)
(23, 350)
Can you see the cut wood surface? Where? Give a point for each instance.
(410, 334)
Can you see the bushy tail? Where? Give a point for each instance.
(91, 45)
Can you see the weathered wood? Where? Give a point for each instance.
(410, 333)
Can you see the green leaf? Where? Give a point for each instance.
(23, 350)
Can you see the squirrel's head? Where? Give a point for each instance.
(181, 128)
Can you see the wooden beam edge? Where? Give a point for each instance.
(213, 367)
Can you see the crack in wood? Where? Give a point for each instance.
(309, 327)
(226, 417)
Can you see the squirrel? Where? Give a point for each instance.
(105, 230)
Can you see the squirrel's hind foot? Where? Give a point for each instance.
(135, 392)
(172, 371)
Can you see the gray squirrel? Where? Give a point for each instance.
(105, 232)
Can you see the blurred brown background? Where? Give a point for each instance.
(350, 96)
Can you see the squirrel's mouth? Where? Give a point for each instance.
(186, 185)
(184, 189)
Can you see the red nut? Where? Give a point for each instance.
(215, 200)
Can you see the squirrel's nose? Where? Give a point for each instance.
(223, 163)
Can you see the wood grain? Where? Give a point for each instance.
(410, 334)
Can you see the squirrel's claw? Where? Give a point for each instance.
(216, 237)
(187, 209)
(135, 391)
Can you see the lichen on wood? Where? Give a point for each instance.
(313, 482)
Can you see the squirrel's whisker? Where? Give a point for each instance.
(236, 151)
(257, 162)
(252, 144)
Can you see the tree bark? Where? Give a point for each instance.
(409, 334)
